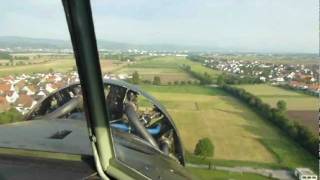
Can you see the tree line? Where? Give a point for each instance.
(121, 57)
(4, 55)
(204, 78)
(277, 116)
(225, 78)
(304, 91)
(136, 79)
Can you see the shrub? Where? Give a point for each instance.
(146, 81)
(156, 80)
(10, 116)
(135, 78)
(282, 105)
(204, 148)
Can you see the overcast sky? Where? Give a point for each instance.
(251, 25)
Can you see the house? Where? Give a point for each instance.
(305, 174)
(262, 79)
(315, 87)
(49, 87)
(24, 103)
(30, 90)
(279, 79)
(4, 88)
(123, 76)
(12, 96)
(58, 85)
(41, 94)
(19, 85)
(4, 105)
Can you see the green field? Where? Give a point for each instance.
(61, 65)
(301, 108)
(272, 94)
(168, 68)
(204, 174)
(237, 132)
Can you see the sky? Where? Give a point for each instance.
(244, 25)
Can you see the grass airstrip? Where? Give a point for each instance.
(238, 134)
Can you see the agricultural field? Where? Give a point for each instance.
(301, 108)
(167, 68)
(110, 66)
(238, 134)
(60, 65)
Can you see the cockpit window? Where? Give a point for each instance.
(212, 84)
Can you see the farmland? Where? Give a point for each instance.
(57, 65)
(62, 65)
(167, 68)
(301, 108)
(237, 132)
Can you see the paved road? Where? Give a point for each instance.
(277, 174)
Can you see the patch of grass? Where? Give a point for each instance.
(191, 158)
(182, 89)
(204, 174)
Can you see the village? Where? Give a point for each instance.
(297, 76)
(24, 91)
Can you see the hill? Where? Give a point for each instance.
(27, 42)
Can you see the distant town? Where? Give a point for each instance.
(299, 76)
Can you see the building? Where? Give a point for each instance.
(305, 174)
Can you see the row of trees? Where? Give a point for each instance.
(304, 91)
(157, 80)
(4, 55)
(204, 78)
(237, 79)
(136, 79)
(196, 58)
(189, 82)
(277, 116)
(121, 57)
